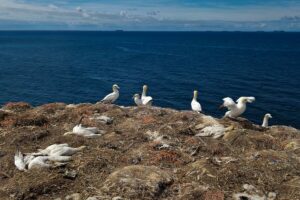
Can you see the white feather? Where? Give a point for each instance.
(236, 109)
(19, 161)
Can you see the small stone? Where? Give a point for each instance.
(271, 196)
(117, 198)
(70, 174)
(75, 196)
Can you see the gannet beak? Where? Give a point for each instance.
(68, 133)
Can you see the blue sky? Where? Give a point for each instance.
(157, 15)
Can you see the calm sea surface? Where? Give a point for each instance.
(73, 67)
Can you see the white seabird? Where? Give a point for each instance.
(89, 132)
(195, 104)
(47, 151)
(139, 102)
(53, 156)
(112, 97)
(66, 151)
(146, 100)
(266, 120)
(236, 109)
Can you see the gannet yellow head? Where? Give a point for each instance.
(245, 100)
(136, 96)
(115, 87)
(195, 94)
(68, 133)
(268, 115)
(145, 87)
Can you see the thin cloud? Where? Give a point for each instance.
(150, 16)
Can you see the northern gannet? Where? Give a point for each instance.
(53, 156)
(112, 97)
(139, 102)
(89, 132)
(266, 120)
(66, 151)
(236, 109)
(146, 100)
(48, 150)
(195, 104)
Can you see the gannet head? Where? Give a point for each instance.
(136, 96)
(68, 133)
(145, 87)
(195, 94)
(242, 100)
(268, 115)
(82, 147)
(245, 100)
(115, 87)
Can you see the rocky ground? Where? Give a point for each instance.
(148, 153)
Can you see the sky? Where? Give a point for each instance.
(151, 15)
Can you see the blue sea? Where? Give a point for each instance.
(72, 67)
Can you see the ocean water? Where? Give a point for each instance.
(73, 67)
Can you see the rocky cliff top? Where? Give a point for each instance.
(148, 153)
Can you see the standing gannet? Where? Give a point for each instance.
(146, 100)
(236, 110)
(112, 97)
(195, 104)
(266, 120)
(139, 102)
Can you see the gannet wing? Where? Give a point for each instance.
(250, 99)
(59, 158)
(196, 106)
(147, 100)
(92, 129)
(19, 161)
(39, 162)
(110, 98)
(229, 103)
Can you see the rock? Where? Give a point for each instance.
(117, 198)
(70, 174)
(75, 196)
(132, 180)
